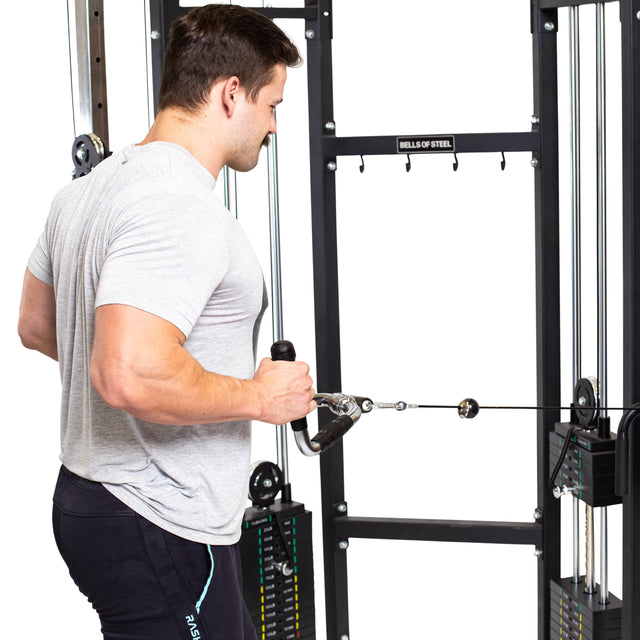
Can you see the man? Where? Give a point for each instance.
(145, 289)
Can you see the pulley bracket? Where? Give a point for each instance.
(87, 152)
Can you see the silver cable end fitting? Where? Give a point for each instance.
(468, 408)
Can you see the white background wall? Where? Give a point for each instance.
(437, 298)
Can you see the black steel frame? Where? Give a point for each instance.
(630, 21)
(542, 143)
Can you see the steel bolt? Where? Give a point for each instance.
(309, 34)
(343, 545)
(284, 568)
(331, 166)
(535, 119)
(549, 26)
(537, 514)
(344, 637)
(534, 162)
(638, 15)
(267, 482)
(538, 552)
(330, 126)
(155, 35)
(342, 508)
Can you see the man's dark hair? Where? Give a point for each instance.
(216, 42)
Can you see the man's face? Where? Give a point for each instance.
(255, 121)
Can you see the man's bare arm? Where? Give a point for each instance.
(37, 317)
(139, 365)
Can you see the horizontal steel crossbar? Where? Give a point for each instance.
(553, 4)
(439, 530)
(464, 143)
(303, 13)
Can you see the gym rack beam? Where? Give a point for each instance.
(88, 69)
(464, 143)
(546, 188)
(326, 304)
(554, 4)
(440, 530)
(630, 40)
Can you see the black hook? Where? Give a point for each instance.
(503, 163)
(408, 165)
(455, 161)
(362, 164)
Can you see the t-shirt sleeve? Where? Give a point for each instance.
(39, 263)
(166, 256)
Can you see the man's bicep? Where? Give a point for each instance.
(129, 346)
(121, 329)
(37, 315)
(38, 298)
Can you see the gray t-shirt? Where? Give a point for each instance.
(145, 229)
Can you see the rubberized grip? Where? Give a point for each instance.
(284, 350)
(333, 431)
(622, 467)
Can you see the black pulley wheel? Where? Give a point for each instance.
(264, 483)
(586, 401)
(86, 153)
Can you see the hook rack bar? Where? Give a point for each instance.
(464, 143)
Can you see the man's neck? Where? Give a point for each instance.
(193, 132)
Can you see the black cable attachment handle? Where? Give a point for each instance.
(347, 408)
(563, 454)
(284, 350)
(622, 450)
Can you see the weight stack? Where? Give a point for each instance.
(589, 466)
(577, 616)
(281, 606)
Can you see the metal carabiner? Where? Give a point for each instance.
(348, 412)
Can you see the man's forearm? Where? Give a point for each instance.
(178, 393)
(37, 316)
(139, 364)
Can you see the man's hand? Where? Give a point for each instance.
(287, 389)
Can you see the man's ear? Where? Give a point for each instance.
(230, 94)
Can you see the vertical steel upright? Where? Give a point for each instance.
(544, 31)
(88, 68)
(630, 38)
(630, 17)
(319, 34)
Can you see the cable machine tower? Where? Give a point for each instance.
(558, 444)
